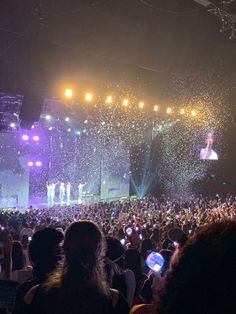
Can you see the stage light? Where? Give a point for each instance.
(69, 130)
(68, 93)
(182, 111)
(85, 121)
(67, 119)
(168, 110)
(30, 163)
(38, 163)
(109, 100)
(78, 132)
(155, 108)
(32, 127)
(48, 117)
(88, 97)
(193, 113)
(36, 138)
(141, 105)
(12, 125)
(25, 137)
(50, 129)
(125, 102)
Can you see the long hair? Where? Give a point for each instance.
(133, 262)
(83, 268)
(202, 278)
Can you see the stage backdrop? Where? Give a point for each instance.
(14, 173)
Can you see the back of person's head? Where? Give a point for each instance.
(84, 250)
(45, 252)
(80, 286)
(115, 251)
(202, 278)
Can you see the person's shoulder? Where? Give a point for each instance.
(143, 309)
(31, 294)
(25, 287)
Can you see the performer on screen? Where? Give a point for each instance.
(208, 153)
(68, 189)
(80, 194)
(62, 191)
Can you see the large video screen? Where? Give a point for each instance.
(209, 149)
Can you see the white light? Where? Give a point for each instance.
(141, 105)
(88, 97)
(50, 129)
(12, 125)
(86, 121)
(67, 119)
(109, 100)
(48, 117)
(69, 130)
(125, 102)
(32, 127)
(103, 122)
(68, 93)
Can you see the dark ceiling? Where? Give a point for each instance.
(141, 43)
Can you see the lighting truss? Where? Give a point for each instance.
(221, 10)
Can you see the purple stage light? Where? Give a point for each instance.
(36, 138)
(30, 163)
(25, 137)
(38, 163)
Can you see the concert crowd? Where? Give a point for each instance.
(85, 259)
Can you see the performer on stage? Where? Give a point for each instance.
(62, 190)
(53, 187)
(68, 188)
(49, 193)
(208, 153)
(80, 187)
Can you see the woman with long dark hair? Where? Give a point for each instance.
(79, 286)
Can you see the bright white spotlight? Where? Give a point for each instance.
(48, 117)
(38, 163)
(155, 108)
(182, 111)
(12, 125)
(67, 119)
(125, 102)
(109, 100)
(68, 93)
(168, 110)
(141, 105)
(69, 130)
(88, 96)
